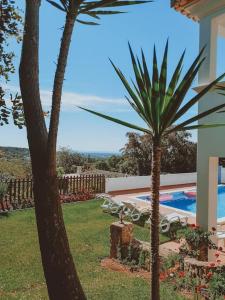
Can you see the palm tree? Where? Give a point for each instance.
(161, 105)
(59, 268)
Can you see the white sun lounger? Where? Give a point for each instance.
(167, 220)
(171, 218)
(110, 205)
(134, 211)
(220, 234)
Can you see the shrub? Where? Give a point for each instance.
(60, 171)
(15, 168)
(3, 189)
(170, 262)
(217, 284)
(198, 241)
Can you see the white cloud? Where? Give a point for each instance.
(71, 100)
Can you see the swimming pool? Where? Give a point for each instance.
(186, 200)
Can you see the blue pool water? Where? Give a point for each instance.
(181, 201)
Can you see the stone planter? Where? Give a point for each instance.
(203, 251)
(198, 268)
(121, 235)
(125, 247)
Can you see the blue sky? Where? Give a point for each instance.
(90, 79)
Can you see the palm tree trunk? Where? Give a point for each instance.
(57, 89)
(155, 263)
(59, 269)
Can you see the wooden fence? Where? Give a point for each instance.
(20, 191)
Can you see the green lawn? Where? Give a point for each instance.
(21, 275)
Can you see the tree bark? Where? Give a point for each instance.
(57, 89)
(155, 262)
(59, 269)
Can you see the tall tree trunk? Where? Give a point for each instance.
(58, 86)
(59, 269)
(155, 262)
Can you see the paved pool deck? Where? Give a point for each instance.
(172, 246)
(133, 194)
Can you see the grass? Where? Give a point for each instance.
(21, 275)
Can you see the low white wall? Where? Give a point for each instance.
(138, 182)
(182, 178)
(126, 183)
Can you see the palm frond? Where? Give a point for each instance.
(91, 5)
(198, 117)
(199, 96)
(155, 100)
(65, 4)
(55, 4)
(115, 120)
(87, 23)
(146, 73)
(142, 88)
(136, 109)
(159, 105)
(111, 3)
(204, 126)
(92, 15)
(177, 98)
(103, 12)
(132, 94)
(173, 82)
(163, 77)
(94, 9)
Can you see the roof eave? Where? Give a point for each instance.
(183, 6)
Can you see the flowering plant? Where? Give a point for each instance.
(197, 242)
(78, 196)
(207, 281)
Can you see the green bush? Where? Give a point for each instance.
(170, 262)
(217, 285)
(3, 189)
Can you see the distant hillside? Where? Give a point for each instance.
(15, 152)
(23, 153)
(99, 154)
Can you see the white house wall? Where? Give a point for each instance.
(211, 142)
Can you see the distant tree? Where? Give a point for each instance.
(69, 160)
(60, 171)
(113, 162)
(137, 154)
(102, 165)
(10, 21)
(128, 167)
(15, 168)
(179, 154)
